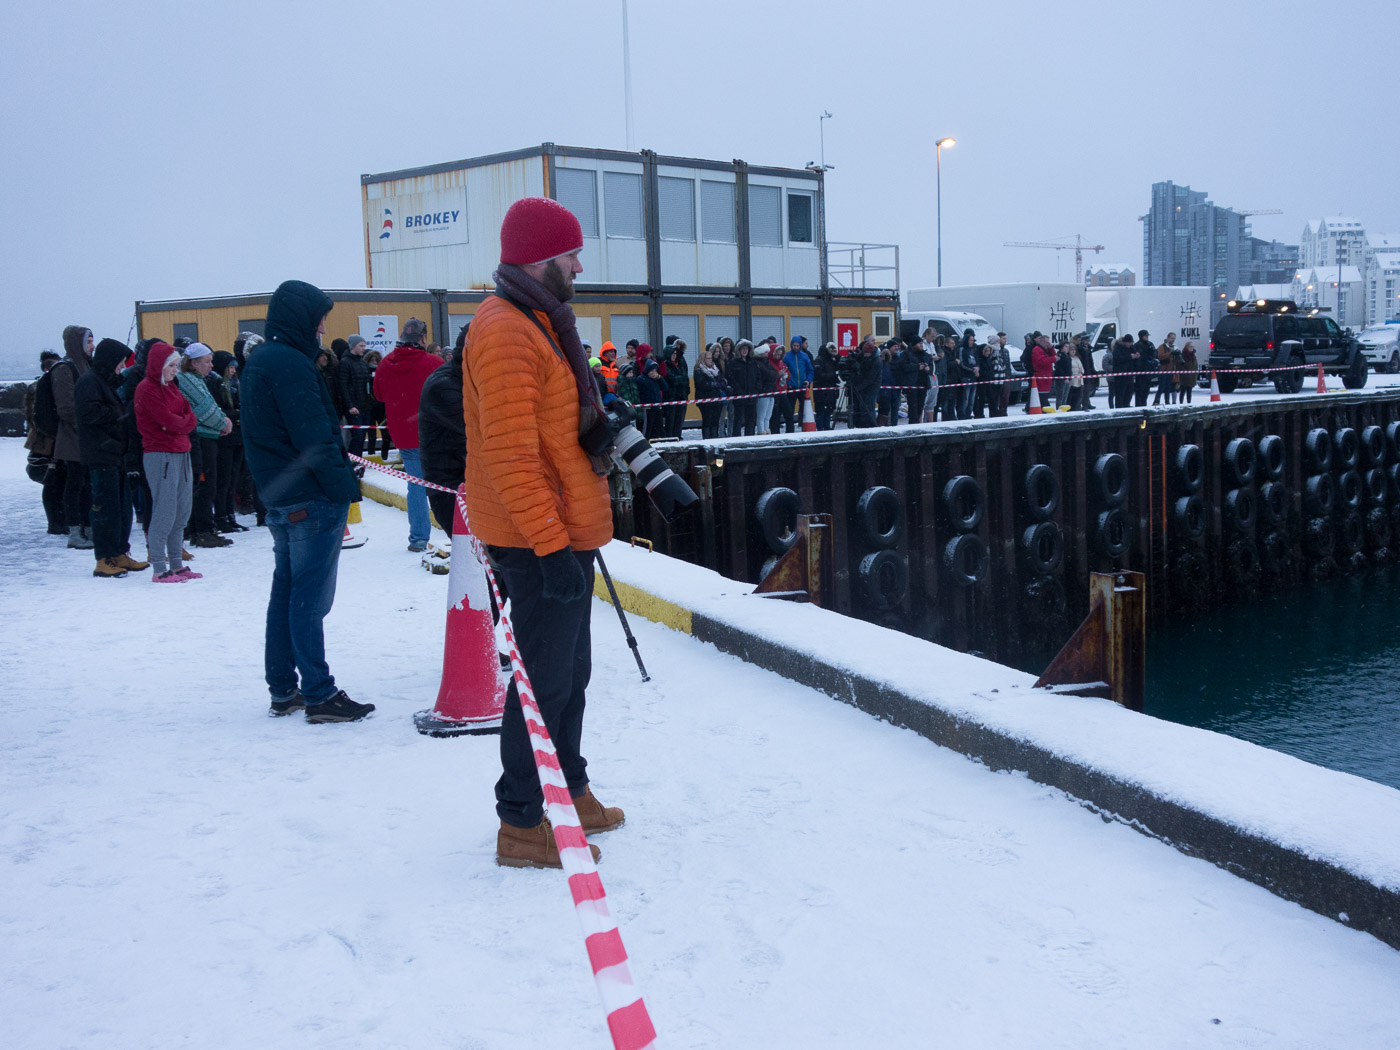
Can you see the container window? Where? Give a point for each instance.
(687, 328)
(717, 211)
(187, 331)
(254, 325)
(622, 327)
(799, 218)
(622, 204)
(765, 218)
(809, 328)
(763, 327)
(577, 190)
(718, 326)
(884, 325)
(676, 201)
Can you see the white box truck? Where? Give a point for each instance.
(1016, 309)
(1160, 309)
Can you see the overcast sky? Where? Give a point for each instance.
(165, 150)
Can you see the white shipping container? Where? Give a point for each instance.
(1160, 309)
(1056, 309)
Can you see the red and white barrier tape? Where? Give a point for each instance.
(402, 475)
(629, 1024)
(800, 392)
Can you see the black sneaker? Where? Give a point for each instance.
(290, 706)
(417, 548)
(339, 708)
(210, 539)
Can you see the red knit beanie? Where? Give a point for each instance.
(537, 229)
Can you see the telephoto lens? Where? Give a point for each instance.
(669, 493)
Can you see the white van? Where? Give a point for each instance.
(955, 322)
(944, 322)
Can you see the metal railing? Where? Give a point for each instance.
(853, 266)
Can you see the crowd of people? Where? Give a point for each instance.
(104, 417)
(119, 435)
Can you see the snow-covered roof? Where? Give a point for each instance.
(1265, 291)
(1328, 274)
(1387, 260)
(1112, 267)
(1381, 241)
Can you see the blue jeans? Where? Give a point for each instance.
(419, 527)
(306, 553)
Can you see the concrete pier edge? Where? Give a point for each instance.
(1314, 883)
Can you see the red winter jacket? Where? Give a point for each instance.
(163, 416)
(398, 382)
(1043, 366)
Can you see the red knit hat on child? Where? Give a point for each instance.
(537, 229)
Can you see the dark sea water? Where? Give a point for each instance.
(1315, 673)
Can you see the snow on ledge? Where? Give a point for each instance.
(1323, 814)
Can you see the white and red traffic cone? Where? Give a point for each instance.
(350, 541)
(472, 697)
(1214, 387)
(1033, 407)
(809, 421)
(1321, 381)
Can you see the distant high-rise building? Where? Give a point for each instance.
(1189, 240)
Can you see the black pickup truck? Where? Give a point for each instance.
(1277, 333)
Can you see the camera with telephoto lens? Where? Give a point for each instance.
(615, 435)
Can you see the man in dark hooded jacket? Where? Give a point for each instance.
(291, 438)
(101, 420)
(77, 359)
(442, 432)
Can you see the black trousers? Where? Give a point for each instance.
(916, 398)
(204, 464)
(782, 415)
(54, 483)
(556, 645)
(746, 417)
(709, 420)
(355, 440)
(230, 457)
(111, 512)
(77, 495)
(443, 506)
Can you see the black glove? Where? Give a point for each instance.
(564, 580)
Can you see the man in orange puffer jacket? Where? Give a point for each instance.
(535, 500)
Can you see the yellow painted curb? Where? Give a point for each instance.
(649, 606)
(388, 499)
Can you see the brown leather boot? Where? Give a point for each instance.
(109, 569)
(596, 817)
(126, 561)
(530, 847)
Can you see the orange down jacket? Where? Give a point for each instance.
(529, 484)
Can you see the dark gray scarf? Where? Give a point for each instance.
(523, 290)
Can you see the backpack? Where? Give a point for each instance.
(45, 409)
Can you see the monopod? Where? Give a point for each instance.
(612, 592)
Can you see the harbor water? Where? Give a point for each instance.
(1314, 673)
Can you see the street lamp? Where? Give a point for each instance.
(939, 152)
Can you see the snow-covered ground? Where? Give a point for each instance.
(181, 870)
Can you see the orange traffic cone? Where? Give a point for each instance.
(1033, 408)
(1321, 382)
(472, 697)
(1214, 386)
(809, 421)
(350, 541)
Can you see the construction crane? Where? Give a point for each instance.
(1079, 249)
